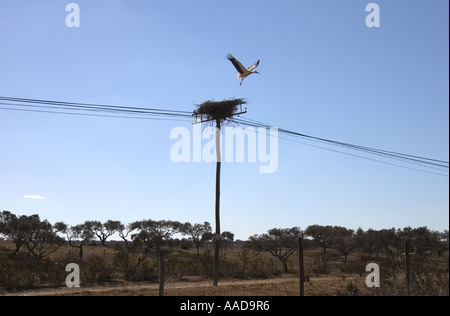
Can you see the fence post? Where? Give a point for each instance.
(407, 267)
(301, 266)
(161, 273)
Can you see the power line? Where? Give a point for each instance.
(127, 112)
(362, 157)
(90, 104)
(390, 153)
(411, 159)
(96, 115)
(60, 105)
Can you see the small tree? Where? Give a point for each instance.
(105, 230)
(28, 231)
(281, 243)
(43, 240)
(343, 240)
(226, 239)
(445, 237)
(198, 233)
(319, 234)
(157, 235)
(424, 241)
(78, 235)
(154, 234)
(18, 229)
(124, 232)
(444, 242)
(369, 243)
(391, 241)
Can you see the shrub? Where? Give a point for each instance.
(96, 269)
(350, 290)
(144, 269)
(179, 265)
(321, 263)
(255, 266)
(17, 274)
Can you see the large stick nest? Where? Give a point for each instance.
(219, 110)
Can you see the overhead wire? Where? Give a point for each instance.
(391, 153)
(76, 106)
(411, 159)
(97, 115)
(127, 112)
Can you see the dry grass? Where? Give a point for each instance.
(286, 285)
(340, 280)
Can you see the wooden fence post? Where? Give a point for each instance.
(407, 267)
(161, 273)
(301, 266)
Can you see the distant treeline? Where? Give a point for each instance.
(40, 238)
(37, 256)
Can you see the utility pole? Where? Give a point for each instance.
(218, 112)
(217, 213)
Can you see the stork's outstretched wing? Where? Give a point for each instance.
(236, 63)
(254, 66)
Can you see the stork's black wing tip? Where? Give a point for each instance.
(230, 57)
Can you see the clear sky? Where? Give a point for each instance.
(323, 72)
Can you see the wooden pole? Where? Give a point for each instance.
(217, 239)
(161, 273)
(218, 118)
(301, 267)
(407, 267)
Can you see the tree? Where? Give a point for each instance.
(43, 240)
(391, 241)
(18, 229)
(319, 234)
(198, 233)
(343, 240)
(424, 241)
(158, 235)
(281, 243)
(83, 233)
(226, 238)
(105, 230)
(124, 231)
(443, 243)
(38, 237)
(370, 243)
(445, 237)
(154, 234)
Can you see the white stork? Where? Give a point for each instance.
(243, 72)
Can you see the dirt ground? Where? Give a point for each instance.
(287, 285)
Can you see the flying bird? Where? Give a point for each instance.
(243, 72)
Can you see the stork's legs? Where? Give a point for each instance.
(241, 82)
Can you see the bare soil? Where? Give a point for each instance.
(286, 285)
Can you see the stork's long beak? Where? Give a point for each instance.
(256, 72)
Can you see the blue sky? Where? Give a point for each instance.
(323, 73)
